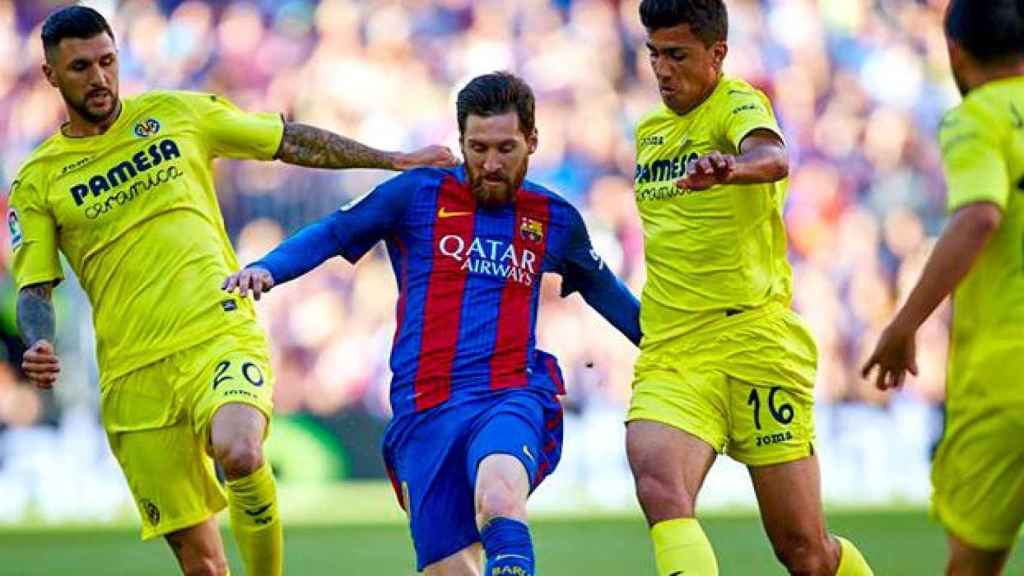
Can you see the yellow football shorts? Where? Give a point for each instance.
(978, 472)
(157, 420)
(744, 384)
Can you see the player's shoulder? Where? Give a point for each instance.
(172, 96)
(541, 191)
(734, 95)
(38, 163)
(176, 102)
(993, 107)
(975, 119)
(559, 208)
(152, 98)
(736, 87)
(416, 178)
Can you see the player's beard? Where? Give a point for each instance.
(492, 195)
(92, 114)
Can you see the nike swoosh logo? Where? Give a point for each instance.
(443, 213)
(526, 450)
(258, 511)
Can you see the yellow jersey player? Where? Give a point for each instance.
(978, 472)
(125, 191)
(725, 365)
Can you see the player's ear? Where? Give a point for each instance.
(531, 141)
(51, 74)
(719, 50)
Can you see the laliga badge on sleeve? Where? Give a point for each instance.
(14, 224)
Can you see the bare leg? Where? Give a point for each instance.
(966, 560)
(669, 467)
(199, 549)
(465, 562)
(790, 499)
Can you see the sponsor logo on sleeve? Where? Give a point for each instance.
(150, 511)
(14, 224)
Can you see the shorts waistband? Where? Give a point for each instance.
(704, 325)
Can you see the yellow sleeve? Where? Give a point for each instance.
(744, 111)
(975, 167)
(234, 133)
(33, 237)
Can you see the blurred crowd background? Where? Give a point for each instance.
(859, 87)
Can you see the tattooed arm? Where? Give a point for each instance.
(305, 145)
(37, 326)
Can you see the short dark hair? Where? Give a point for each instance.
(494, 94)
(708, 19)
(72, 22)
(990, 30)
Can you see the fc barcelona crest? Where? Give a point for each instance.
(531, 230)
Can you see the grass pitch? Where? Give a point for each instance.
(903, 543)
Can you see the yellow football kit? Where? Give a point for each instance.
(978, 473)
(723, 356)
(135, 213)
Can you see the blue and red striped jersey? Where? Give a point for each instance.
(468, 279)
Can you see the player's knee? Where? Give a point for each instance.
(499, 500)
(239, 457)
(663, 499)
(804, 556)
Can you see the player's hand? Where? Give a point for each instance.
(41, 365)
(254, 278)
(894, 356)
(707, 171)
(437, 156)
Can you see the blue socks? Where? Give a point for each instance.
(508, 547)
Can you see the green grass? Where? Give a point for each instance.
(903, 543)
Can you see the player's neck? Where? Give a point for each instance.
(994, 72)
(79, 127)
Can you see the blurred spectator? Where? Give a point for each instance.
(859, 88)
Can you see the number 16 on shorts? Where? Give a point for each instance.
(770, 404)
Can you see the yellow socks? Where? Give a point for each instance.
(680, 547)
(851, 561)
(255, 521)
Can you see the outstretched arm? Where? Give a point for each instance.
(585, 272)
(349, 232)
(952, 258)
(37, 326)
(297, 255)
(613, 300)
(305, 145)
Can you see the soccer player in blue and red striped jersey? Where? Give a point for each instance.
(477, 420)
